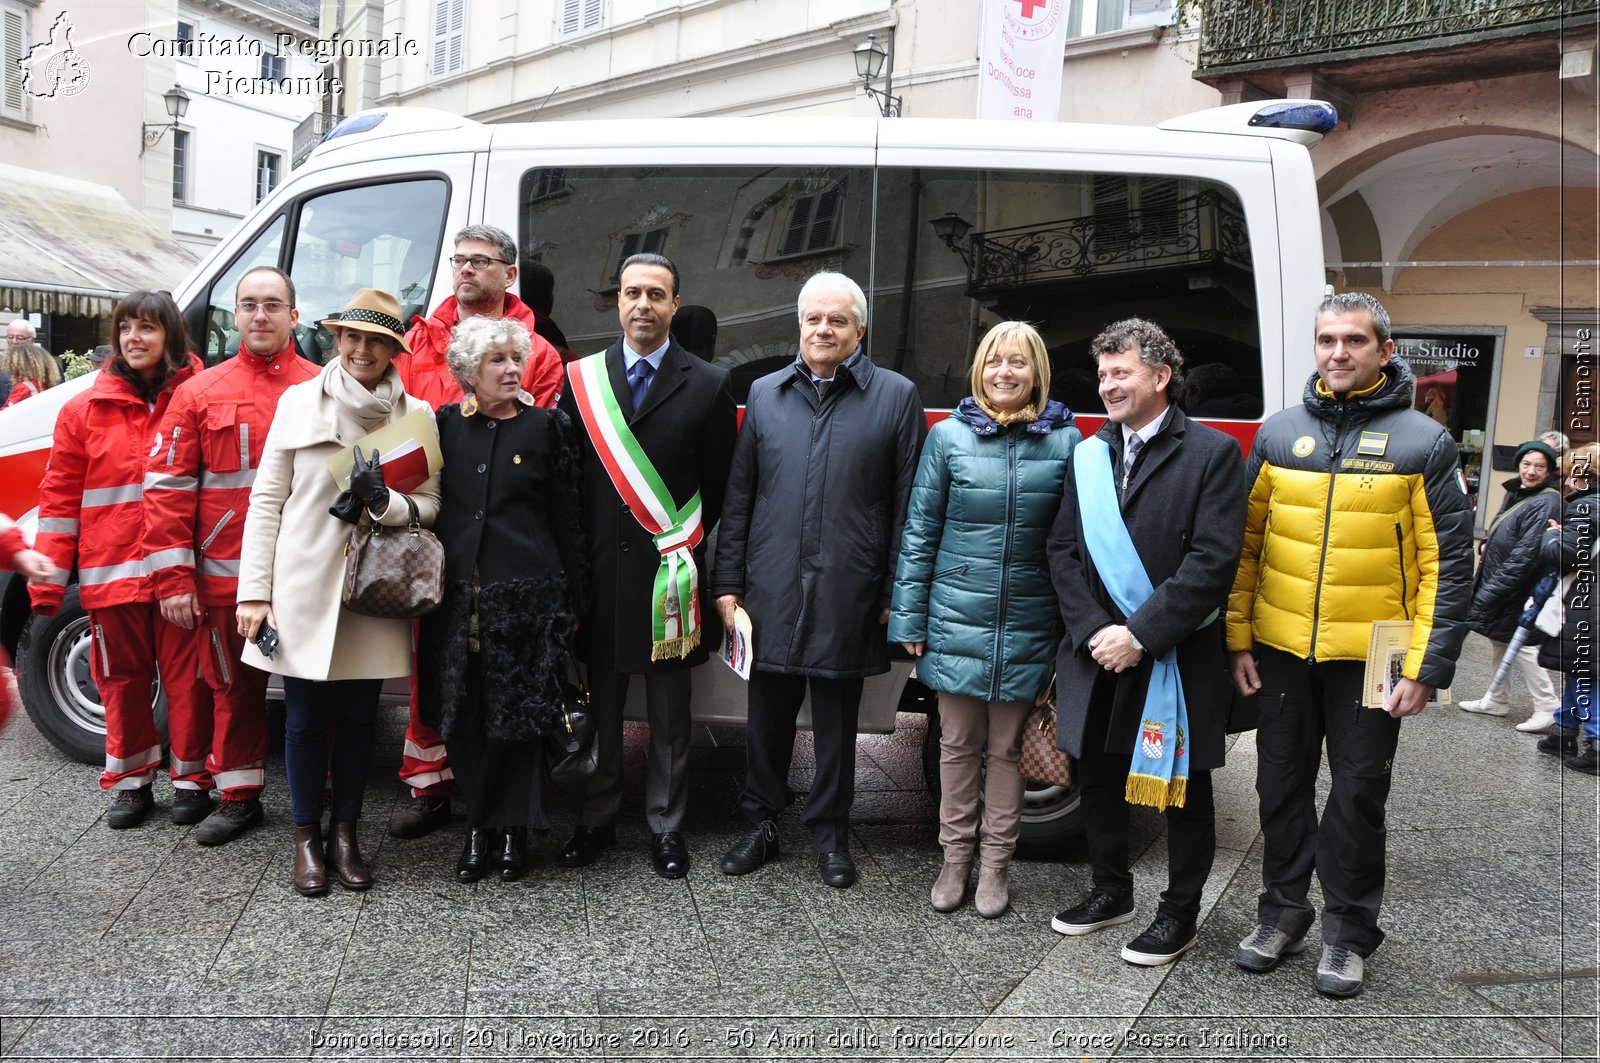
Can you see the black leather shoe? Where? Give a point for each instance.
(1165, 940)
(753, 850)
(837, 870)
(670, 854)
(474, 859)
(585, 844)
(513, 854)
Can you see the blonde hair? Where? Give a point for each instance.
(1024, 337)
(29, 361)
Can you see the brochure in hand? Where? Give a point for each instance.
(408, 452)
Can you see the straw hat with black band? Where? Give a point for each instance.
(371, 310)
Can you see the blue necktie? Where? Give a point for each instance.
(639, 381)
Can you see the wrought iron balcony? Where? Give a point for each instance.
(1206, 229)
(1238, 36)
(309, 133)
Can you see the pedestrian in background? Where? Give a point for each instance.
(492, 659)
(91, 518)
(973, 600)
(291, 574)
(1569, 549)
(31, 370)
(1508, 567)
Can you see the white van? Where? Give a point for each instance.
(1207, 225)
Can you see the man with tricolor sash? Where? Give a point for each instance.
(657, 427)
(1143, 554)
(1357, 513)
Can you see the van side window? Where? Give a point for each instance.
(744, 239)
(1071, 253)
(374, 236)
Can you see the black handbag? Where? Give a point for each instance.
(572, 754)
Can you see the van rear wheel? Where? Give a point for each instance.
(57, 685)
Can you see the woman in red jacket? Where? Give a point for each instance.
(91, 517)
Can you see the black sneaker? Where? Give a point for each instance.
(421, 816)
(1586, 759)
(129, 808)
(753, 850)
(1340, 973)
(1265, 947)
(190, 806)
(231, 819)
(1099, 910)
(1559, 743)
(1165, 940)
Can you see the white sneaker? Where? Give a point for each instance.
(1538, 722)
(1485, 706)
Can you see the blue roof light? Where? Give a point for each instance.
(361, 123)
(1314, 116)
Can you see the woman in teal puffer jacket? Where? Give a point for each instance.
(973, 598)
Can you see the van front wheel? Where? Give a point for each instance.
(58, 688)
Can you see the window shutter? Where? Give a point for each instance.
(15, 46)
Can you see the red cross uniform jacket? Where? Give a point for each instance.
(91, 502)
(427, 376)
(197, 487)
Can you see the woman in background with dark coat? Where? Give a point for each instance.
(973, 600)
(1569, 549)
(1507, 571)
(492, 657)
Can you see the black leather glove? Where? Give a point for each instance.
(346, 508)
(366, 483)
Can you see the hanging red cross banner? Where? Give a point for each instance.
(1020, 59)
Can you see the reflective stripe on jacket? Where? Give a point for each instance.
(91, 501)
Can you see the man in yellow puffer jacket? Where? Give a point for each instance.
(1357, 513)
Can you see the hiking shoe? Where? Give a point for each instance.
(1265, 947)
(129, 808)
(190, 806)
(1559, 743)
(1340, 972)
(423, 814)
(1586, 759)
(1098, 910)
(231, 819)
(1165, 940)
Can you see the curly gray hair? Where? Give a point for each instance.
(476, 337)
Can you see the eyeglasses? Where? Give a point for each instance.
(272, 307)
(475, 261)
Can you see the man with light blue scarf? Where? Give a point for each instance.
(1143, 553)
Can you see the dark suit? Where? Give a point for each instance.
(686, 426)
(1184, 508)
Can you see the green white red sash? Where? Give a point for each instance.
(675, 597)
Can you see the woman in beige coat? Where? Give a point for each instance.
(333, 661)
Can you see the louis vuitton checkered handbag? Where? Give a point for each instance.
(394, 573)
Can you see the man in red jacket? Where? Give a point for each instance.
(483, 269)
(197, 490)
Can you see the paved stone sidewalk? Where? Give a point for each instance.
(142, 945)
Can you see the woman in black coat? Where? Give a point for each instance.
(493, 657)
(1569, 549)
(1507, 571)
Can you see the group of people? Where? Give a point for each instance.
(1145, 575)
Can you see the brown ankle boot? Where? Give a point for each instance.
(310, 873)
(993, 895)
(345, 857)
(950, 888)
